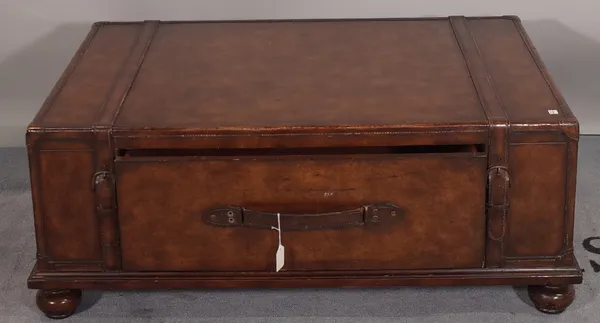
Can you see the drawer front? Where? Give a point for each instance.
(344, 212)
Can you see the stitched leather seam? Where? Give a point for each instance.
(116, 135)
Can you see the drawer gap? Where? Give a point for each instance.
(372, 150)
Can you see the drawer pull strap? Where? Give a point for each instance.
(236, 216)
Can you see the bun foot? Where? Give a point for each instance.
(58, 304)
(551, 299)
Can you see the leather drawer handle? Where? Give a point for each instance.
(235, 216)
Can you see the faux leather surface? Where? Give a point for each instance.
(302, 74)
(443, 225)
(251, 75)
(78, 97)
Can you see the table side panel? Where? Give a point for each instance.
(540, 228)
(67, 229)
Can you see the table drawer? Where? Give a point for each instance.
(339, 209)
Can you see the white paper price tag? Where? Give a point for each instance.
(280, 255)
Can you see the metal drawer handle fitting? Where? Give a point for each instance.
(236, 216)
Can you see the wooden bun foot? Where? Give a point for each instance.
(58, 304)
(552, 299)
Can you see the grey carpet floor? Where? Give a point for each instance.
(423, 305)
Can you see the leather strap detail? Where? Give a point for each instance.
(103, 181)
(235, 216)
(498, 172)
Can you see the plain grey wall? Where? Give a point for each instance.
(38, 38)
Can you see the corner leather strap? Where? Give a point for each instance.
(499, 129)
